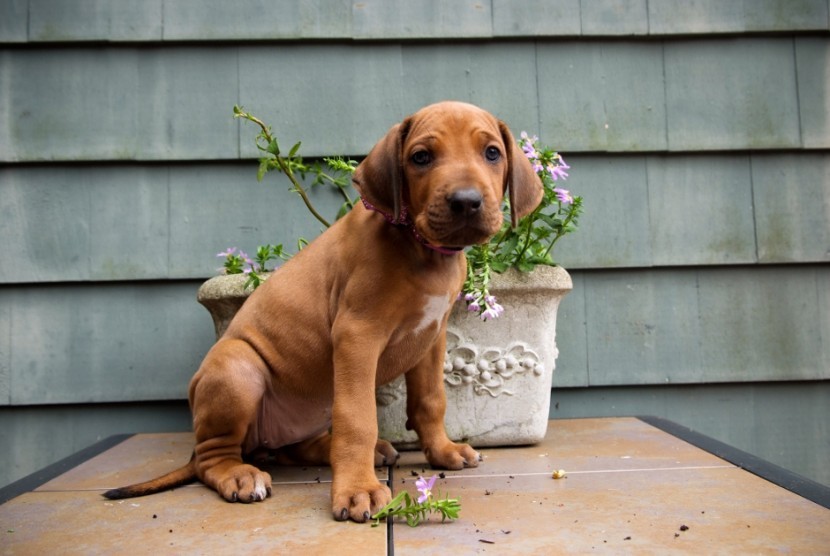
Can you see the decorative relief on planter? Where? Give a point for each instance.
(488, 370)
(485, 370)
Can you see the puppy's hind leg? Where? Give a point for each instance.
(316, 451)
(224, 396)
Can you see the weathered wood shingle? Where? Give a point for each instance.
(697, 132)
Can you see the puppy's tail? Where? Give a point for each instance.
(181, 476)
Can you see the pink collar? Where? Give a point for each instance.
(403, 220)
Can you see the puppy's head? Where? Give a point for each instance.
(450, 164)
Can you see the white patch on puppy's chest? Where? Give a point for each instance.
(435, 307)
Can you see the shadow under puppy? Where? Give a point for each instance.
(364, 303)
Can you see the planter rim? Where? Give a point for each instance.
(542, 278)
(227, 286)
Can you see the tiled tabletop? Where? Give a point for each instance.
(629, 488)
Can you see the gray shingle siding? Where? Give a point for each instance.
(697, 132)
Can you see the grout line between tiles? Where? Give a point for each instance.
(650, 469)
(194, 485)
(448, 477)
(593, 471)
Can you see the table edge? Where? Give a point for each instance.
(789, 480)
(38, 478)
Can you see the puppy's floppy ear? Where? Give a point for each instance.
(523, 185)
(379, 178)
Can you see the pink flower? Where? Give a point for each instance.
(493, 311)
(563, 195)
(424, 486)
(557, 172)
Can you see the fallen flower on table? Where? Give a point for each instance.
(559, 474)
(415, 511)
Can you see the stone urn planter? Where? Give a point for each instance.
(497, 373)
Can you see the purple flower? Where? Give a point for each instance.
(489, 314)
(557, 172)
(474, 307)
(492, 312)
(563, 195)
(528, 148)
(530, 151)
(228, 253)
(424, 486)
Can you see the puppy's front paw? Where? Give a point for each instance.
(243, 483)
(452, 456)
(358, 502)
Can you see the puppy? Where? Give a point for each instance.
(366, 302)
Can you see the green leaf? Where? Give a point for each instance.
(498, 266)
(510, 245)
(344, 210)
(525, 266)
(294, 149)
(263, 169)
(273, 147)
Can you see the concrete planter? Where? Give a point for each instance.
(497, 374)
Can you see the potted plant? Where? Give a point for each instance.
(501, 341)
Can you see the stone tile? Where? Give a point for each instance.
(138, 458)
(193, 520)
(723, 510)
(145, 456)
(578, 446)
(628, 487)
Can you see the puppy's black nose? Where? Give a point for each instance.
(465, 201)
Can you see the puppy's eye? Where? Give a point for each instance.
(492, 154)
(421, 158)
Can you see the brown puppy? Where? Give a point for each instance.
(364, 303)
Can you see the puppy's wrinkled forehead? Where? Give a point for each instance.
(451, 121)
